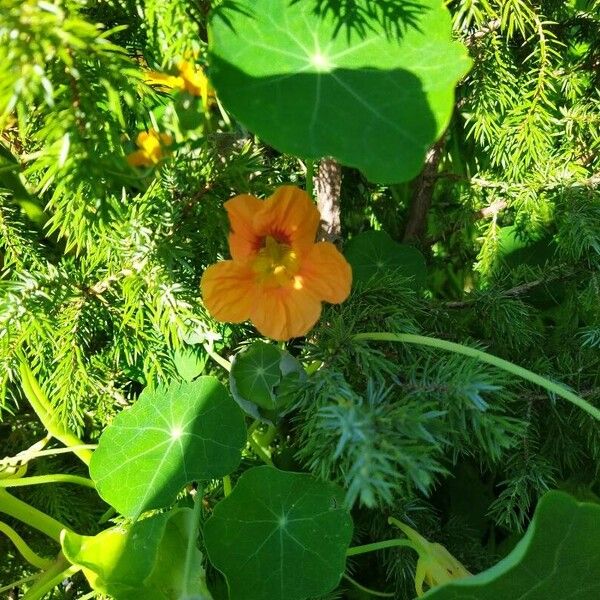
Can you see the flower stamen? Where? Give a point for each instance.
(276, 263)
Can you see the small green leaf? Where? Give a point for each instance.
(516, 250)
(536, 251)
(256, 377)
(144, 560)
(189, 363)
(371, 86)
(256, 372)
(279, 536)
(374, 253)
(558, 558)
(169, 437)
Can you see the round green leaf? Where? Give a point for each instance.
(558, 558)
(256, 372)
(279, 536)
(189, 363)
(259, 378)
(143, 560)
(516, 250)
(169, 437)
(372, 87)
(374, 253)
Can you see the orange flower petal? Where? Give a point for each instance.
(326, 273)
(144, 136)
(228, 291)
(195, 81)
(164, 81)
(139, 159)
(285, 313)
(290, 217)
(243, 240)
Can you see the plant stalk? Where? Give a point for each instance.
(43, 479)
(31, 516)
(505, 365)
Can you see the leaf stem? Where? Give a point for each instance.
(226, 485)
(420, 340)
(223, 362)
(24, 550)
(253, 427)
(259, 451)
(17, 583)
(379, 546)
(45, 412)
(43, 479)
(60, 570)
(192, 541)
(30, 516)
(367, 590)
(27, 455)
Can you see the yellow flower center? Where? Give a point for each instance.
(276, 263)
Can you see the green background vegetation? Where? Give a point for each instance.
(100, 268)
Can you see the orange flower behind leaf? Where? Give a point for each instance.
(191, 79)
(151, 146)
(277, 276)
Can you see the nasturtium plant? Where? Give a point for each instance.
(256, 378)
(300, 75)
(279, 536)
(375, 254)
(559, 557)
(148, 559)
(171, 436)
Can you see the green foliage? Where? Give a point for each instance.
(169, 438)
(155, 550)
(374, 253)
(562, 532)
(385, 79)
(261, 377)
(279, 535)
(100, 265)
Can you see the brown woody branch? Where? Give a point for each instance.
(327, 186)
(423, 187)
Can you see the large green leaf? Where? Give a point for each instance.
(170, 436)
(279, 536)
(558, 558)
(375, 253)
(369, 83)
(145, 560)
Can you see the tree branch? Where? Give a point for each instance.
(328, 185)
(423, 187)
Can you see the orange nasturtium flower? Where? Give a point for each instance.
(151, 146)
(278, 275)
(190, 79)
